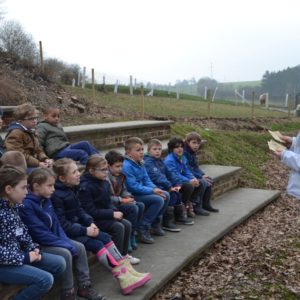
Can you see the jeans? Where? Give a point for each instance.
(154, 205)
(80, 264)
(162, 211)
(120, 233)
(79, 152)
(37, 276)
(133, 213)
(94, 244)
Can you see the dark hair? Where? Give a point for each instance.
(114, 156)
(47, 109)
(40, 176)
(10, 175)
(61, 166)
(193, 136)
(24, 110)
(129, 143)
(174, 142)
(94, 160)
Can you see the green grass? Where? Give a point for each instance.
(245, 149)
(166, 107)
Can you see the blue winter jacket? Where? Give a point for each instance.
(73, 219)
(137, 179)
(291, 158)
(179, 167)
(192, 162)
(95, 199)
(160, 174)
(15, 242)
(39, 216)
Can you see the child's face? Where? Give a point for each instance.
(155, 151)
(17, 193)
(116, 168)
(178, 150)
(136, 152)
(45, 189)
(52, 116)
(72, 176)
(100, 171)
(194, 145)
(30, 121)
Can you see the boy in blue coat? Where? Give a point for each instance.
(191, 146)
(142, 188)
(166, 180)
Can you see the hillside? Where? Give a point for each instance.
(21, 83)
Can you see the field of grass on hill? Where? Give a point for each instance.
(247, 149)
(168, 107)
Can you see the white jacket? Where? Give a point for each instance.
(291, 158)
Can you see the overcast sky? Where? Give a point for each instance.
(165, 40)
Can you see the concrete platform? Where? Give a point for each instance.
(172, 252)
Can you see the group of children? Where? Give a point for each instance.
(103, 210)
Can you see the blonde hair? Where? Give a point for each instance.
(129, 143)
(25, 110)
(94, 161)
(154, 142)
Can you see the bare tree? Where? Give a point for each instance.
(2, 10)
(17, 43)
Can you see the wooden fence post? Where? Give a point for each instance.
(252, 105)
(289, 105)
(41, 57)
(93, 84)
(208, 101)
(143, 102)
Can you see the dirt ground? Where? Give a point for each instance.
(260, 259)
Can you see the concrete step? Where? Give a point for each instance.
(171, 253)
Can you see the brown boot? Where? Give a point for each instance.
(190, 210)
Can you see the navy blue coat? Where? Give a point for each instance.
(73, 219)
(15, 242)
(39, 216)
(95, 199)
(192, 162)
(159, 174)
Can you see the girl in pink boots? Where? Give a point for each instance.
(80, 226)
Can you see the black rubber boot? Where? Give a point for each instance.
(168, 223)
(180, 215)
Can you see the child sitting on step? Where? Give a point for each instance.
(55, 142)
(39, 216)
(21, 260)
(95, 198)
(176, 162)
(81, 227)
(144, 190)
(191, 146)
(22, 137)
(168, 181)
(121, 198)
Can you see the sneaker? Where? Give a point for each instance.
(87, 292)
(158, 231)
(200, 212)
(145, 237)
(133, 260)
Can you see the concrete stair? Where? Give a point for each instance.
(174, 251)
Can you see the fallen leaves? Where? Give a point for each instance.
(260, 259)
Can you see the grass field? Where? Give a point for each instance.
(166, 107)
